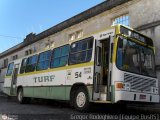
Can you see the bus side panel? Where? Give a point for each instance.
(28, 91)
(46, 84)
(56, 83)
(27, 83)
(56, 92)
(6, 90)
(7, 85)
(46, 92)
(80, 75)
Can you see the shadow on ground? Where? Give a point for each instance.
(40, 109)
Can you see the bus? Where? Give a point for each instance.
(110, 66)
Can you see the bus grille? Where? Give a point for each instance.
(138, 83)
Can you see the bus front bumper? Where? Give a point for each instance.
(136, 97)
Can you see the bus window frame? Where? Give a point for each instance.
(140, 63)
(44, 60)
(52, 58)
(23, 66)
(89, 38)
(32, 64)
(8, 69)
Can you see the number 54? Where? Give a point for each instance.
(78, 74)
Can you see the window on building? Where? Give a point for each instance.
(52, 44)
(72, 36)
(76, 35)
(79, 34)
(60, 56)
(47, 45)
(10, 69)
(81, 51)
(15, 57)
(5, 63)
(123, 19)
(31, 64)
(44, 60)
(28, 52)
(23, 65)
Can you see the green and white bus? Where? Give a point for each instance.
(113, 65)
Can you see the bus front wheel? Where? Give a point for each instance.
(81, 99)
(21, 99)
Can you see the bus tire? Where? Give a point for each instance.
(21, 99)
(81, 99)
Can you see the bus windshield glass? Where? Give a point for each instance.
(133, 57)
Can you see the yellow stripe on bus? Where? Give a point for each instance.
(8, 76)
(58, 69)
(115, 50)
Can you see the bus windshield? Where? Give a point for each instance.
(133, 57)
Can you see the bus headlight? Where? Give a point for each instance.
(127, 86)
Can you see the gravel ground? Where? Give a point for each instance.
(10, 109)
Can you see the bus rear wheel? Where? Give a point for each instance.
(21, 99)
(81, 99)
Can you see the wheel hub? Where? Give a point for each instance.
(81, 99)
(20, 96)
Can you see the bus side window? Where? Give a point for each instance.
(81, 51)
(44, 60)
(60, 56)
(23, 65)
(10, 69)
(31, 63)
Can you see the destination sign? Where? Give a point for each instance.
(136, 35)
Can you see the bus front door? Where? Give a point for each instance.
(14, 79)
(97, 70)
(102, 73)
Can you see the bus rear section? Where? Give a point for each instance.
(10, 81)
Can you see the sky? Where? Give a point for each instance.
(21, 17)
